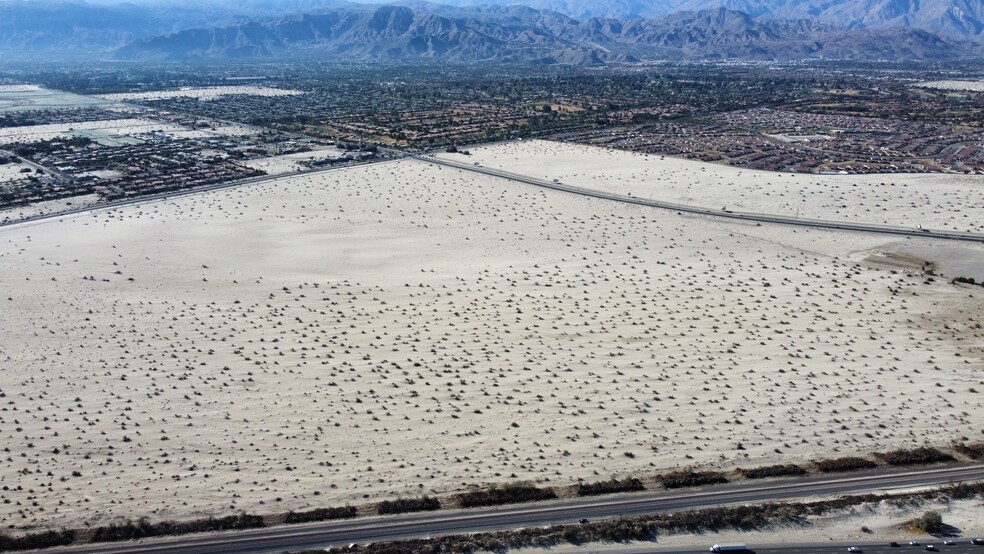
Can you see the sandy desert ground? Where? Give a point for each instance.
(933, 201)
(217, 131)
(26, 97)
(201, 93)
(128, 126)
(973, 86)
(14, 171)
(49, 207)
(289, 163)
(404, 328)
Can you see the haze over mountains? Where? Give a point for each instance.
(550, 31)
(951, 19)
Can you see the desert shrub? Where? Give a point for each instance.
(507, 494)
(690, 478)
(974, 450)
(962, 491)
(736, 517)
(630, 484)
(34, 541)
(123, 531)
(228, 523)
(772, 471)
(914, 456)
(321, 514)
(849, 463)
(623, 529)
(406, 505)
(142, 528)
(930, 522)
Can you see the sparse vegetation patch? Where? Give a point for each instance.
(630, 484)
(406, 505)
(973, 450)
(321, 514)
(915, 456)
(690, 478)
(834, 465)
(507, 494)
(787, 470)
(142, 528)
(33, 541)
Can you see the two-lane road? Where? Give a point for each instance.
(502, 174)
(699, 210)
(963, 546)
(376, 529)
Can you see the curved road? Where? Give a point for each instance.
(376, 529)
(686, 208)
(682, 208)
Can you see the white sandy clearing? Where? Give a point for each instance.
(973, 86)
(103, 174)
(398, 329)
(954, 202)
(12, 172)
(20, 88)
(884, 520)
(289, 163)
(217, 132)
(126, 127)
(201, 93)
(33, 97)
(48, 207)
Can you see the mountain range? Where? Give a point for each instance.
(951, 19)
(552, 31)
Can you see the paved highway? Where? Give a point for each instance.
(685, 208)
(682, 208)
(963, 546)
(376, 529)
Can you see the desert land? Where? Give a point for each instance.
(291, 163)
(200, 93)
(954, 84)
(952, 202)
(26, 97)
(406, 328)
(115, 128)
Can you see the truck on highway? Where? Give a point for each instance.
(729, 548)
